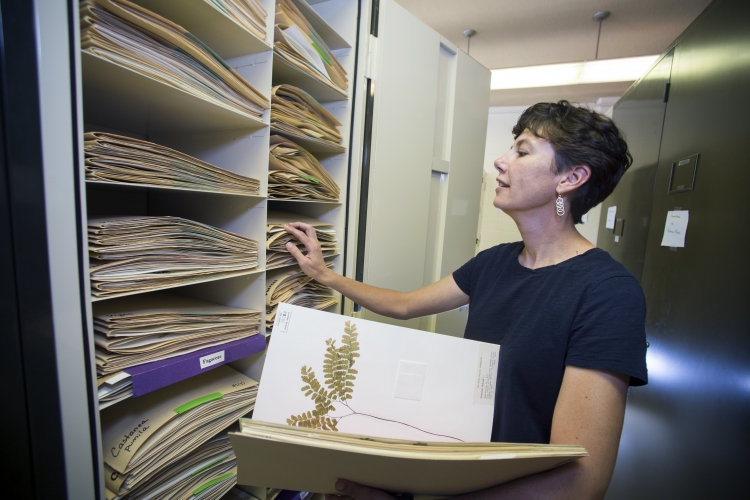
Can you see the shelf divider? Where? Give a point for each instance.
(321, 26)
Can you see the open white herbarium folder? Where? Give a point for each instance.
(348, 398)
(354, 376)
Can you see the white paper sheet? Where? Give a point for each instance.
(675, 229)
(611, 214)
(408, 384)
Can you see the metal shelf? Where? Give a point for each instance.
(116, 97)
(285, 72)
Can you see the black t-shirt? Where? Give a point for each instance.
(587, 311)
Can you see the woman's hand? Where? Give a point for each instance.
(354, 491)
(311, 263)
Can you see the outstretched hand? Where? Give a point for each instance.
(312, 262)
(354, 491)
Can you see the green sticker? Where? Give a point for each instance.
(323, 55)
(220, 459)
(212, 482)
(197, 402)
(309, 178)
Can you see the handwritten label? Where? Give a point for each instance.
(212, 359)
(130, 438)
(484, 386)
(611, 214)
(675, 229)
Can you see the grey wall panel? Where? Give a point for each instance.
(405, 96)
(640, 116)
(686, 433)
(468, 135)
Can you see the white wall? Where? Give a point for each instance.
(496, 227)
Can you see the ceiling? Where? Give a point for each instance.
(531, 32)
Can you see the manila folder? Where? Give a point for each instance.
(308, 463)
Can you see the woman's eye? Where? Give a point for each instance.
(522, 153)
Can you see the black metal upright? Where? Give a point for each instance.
(640, 116)
(687, 434)
(33, 450)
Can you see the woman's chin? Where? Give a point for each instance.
(498, 203)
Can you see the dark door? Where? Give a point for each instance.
(640, 116)
(687, 433)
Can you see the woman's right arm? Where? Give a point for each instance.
(443, 295)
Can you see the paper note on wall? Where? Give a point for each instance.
(611, 214)
(675, 229)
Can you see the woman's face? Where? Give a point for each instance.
(526, 181)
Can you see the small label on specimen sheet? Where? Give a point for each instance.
(282, 321)
(484, 386)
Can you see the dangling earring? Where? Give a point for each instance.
(559, 205)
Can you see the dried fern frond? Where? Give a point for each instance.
(339, 377)
(313, 420)
(315, 391)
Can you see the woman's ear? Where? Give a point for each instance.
(574, 179)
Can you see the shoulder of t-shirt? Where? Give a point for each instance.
(607, 278)
(498, 252)
(602, 267)
(468, 273)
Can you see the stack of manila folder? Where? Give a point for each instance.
(295, 287)
(295, 174)
(297, 42)
(170, 440)
(137, 254)
(141, 329)
(116, 158)
(250, 14)
(276, 238)
(130, 36)
(296, 113)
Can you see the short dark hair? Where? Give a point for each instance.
(580, 136)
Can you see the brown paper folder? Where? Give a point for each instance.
(138, 39)
(281, 456)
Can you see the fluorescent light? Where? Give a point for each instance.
(549, 75)
(616, 70)
(626, 69)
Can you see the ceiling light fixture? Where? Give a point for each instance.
(599, 17)
(626, 69)
(468, 34)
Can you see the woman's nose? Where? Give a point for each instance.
(501, 164)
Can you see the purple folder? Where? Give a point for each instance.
(151, 376)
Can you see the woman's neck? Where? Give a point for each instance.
(549, 240)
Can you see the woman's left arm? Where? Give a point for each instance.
(589, 411)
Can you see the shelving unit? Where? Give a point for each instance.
(118, 100)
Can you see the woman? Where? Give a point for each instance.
(569, 319)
